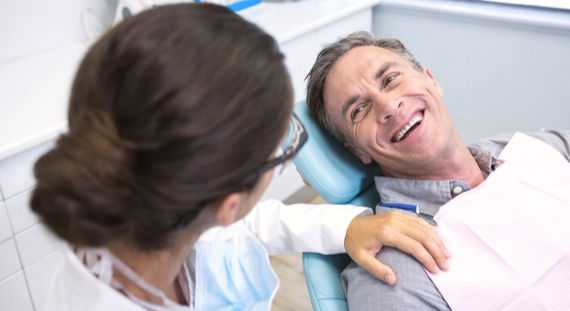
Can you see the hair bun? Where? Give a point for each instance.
(81, 182)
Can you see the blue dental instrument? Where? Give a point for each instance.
(412, 208)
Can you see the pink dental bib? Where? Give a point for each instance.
(510, 236)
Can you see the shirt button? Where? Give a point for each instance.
(457, 190)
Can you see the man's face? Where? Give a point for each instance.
(390, 113)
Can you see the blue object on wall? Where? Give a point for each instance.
(239, 5)
(243, 4)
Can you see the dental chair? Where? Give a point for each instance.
(340, 178)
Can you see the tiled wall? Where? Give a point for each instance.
(29, 253)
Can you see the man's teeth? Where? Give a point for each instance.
(408, 126)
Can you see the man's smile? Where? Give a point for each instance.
(409, 128)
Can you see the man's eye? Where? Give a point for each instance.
(355, 112)
(359, 112)
(390, 79)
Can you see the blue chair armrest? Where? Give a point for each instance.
(322, 272)
(322, 276)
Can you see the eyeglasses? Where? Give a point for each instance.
(281, 163)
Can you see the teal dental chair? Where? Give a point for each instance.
(340, 178)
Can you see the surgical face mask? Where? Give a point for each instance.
(233, 273)
(101, 262)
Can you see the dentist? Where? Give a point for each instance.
(175, 117)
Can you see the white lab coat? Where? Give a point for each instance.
(281, 229)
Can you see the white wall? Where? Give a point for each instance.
(29, 27)
(497, 75)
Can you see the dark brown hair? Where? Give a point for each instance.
(326, 60)
(172, 108)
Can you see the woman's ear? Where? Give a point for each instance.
(227, 209)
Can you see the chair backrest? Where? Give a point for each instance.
(340, 178)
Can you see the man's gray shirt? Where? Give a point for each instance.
(413, 289)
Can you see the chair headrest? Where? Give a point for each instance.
(329, 167)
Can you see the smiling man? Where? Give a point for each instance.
(374, 96)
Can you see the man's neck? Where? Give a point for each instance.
(464, 168)
(455, 163)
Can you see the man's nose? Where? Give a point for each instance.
(387, 107)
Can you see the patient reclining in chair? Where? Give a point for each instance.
(374, 96)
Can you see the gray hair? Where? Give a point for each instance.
(326, 60)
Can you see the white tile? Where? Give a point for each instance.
(39, 277)
(21, 215)
(14, 295)
(16, 172)
(5, 228)
(36, 243)
(9, 262)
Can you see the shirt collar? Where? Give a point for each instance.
(486, 161)
(430, 195)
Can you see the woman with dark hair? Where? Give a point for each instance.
(175, 116)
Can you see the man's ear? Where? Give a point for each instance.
(227, 209)
(358, 153)
(433, 81)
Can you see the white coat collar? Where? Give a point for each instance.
(74, 287)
